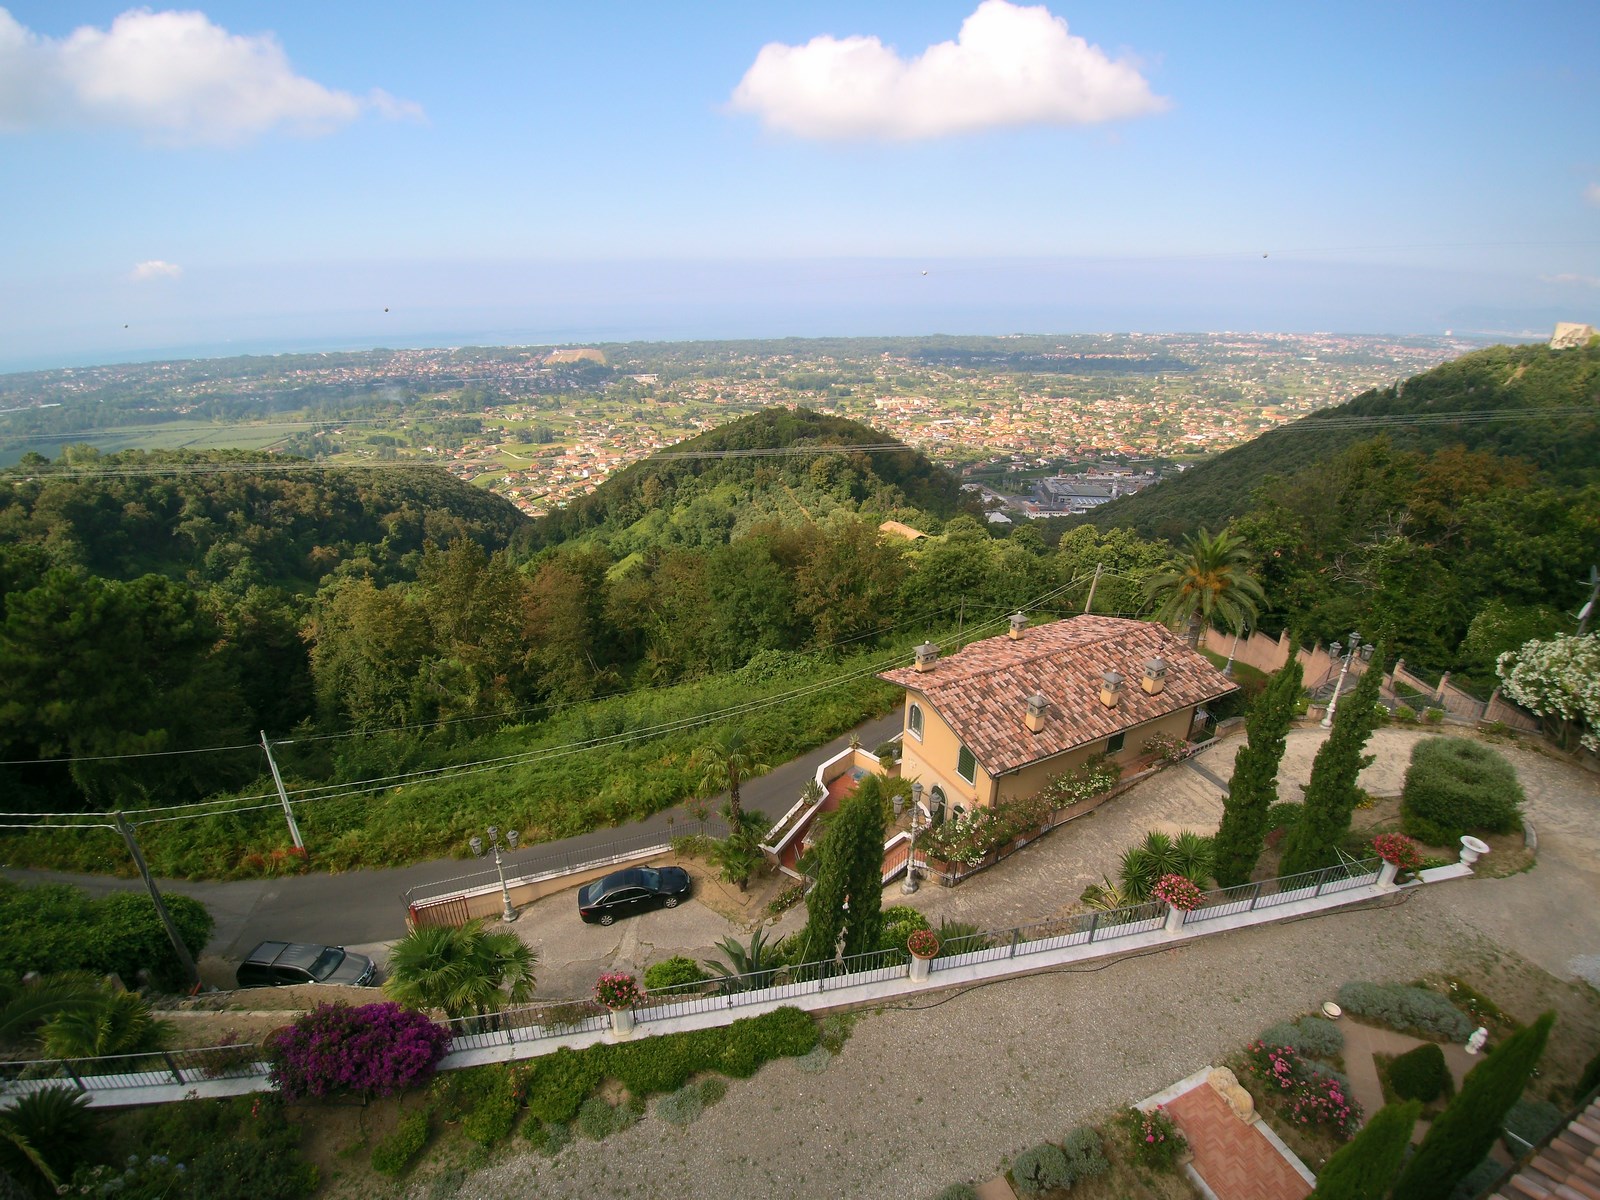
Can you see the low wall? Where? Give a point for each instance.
(486, 901)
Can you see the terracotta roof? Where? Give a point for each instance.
(982, 690)
(1567, 1166)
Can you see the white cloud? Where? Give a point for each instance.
(156, 269)
(1592, 193)
(1571, 277)
(1008, 66)
(174, 75)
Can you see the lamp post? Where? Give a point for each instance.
(508, 913)
(910, 884)
(1355, 648)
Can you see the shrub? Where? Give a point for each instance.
(1408, 1009)
(682, 1106)
(1404, 712)
(835, 1028)
(900, 921)
(815, 1061)
(268, 1168)
(1310, 1037)
(1153, 1138)
(1310, 1095)
(375, 1049)
(494, 1114)
(1042, 1168)
(713, 1089)
(958, 1191)
(1453, 787)
(1434, 716)
(1086, 1157)
(1420, 1074)
(547, 1136)
(1479, 1180)
(598, 1120)
(559, 1083)
(677, 971)
(1529, 1122)
(399, 1150)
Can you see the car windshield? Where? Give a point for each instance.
(327, 963)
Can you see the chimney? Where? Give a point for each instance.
(1110, 689)
(927, 655)
(1038, 706)
(1155, 675)
(1019, 622)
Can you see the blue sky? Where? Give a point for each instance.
(273, 176)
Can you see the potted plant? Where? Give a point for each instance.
(1181, 895)
(619, 992)
(1399, 853)
(924, 947)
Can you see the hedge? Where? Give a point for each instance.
(1455, 787)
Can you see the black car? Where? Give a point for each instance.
(622, 893)
(274, 964)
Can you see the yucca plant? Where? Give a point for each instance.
(1189, 855)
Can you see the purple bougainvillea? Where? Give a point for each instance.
(373, 1050)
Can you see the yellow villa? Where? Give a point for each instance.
(996, 720)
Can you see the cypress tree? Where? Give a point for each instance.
(1331, 794)
(1466, 1130)
(1364, 1169)
(849, 867)
(1254, 786)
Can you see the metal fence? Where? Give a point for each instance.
(1269, 893)
(542, 864)
(535, 1022)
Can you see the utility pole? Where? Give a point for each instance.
(184, 957)
(1089, 603)
(283, 796)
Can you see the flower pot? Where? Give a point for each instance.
(1174, 919)
(1386, 873)
(919, 969)
(622, 1022)
(1472, 849)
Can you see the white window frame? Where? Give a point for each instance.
(915, 720)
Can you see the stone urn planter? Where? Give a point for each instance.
(622, 1022)
(1472, 849)
(1386, 874)
(923, 946)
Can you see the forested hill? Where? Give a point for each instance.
(711, 488)
(213, 518)
(1509, 401)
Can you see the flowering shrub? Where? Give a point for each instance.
(1090, 778)
(923, 943)
(1308, 1094)
(1178, 891)
(1560, 681)
(617, 990)
(967, 837)
(1398, 849)
(1153, 1138)
(1165, 746)
(375, 1049)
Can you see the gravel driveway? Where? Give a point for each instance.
(944, 1088)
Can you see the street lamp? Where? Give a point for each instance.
(508, 913)
(910, 885)
(1335, 648)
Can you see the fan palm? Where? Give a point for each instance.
(466, 971)
(1207, 580)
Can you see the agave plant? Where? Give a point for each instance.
(747, 967)
(960, 937)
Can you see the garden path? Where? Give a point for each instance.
(1237, 1161)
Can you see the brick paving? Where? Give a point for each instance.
(1236, 1160)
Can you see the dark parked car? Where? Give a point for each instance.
(273, 964)
(622, 893)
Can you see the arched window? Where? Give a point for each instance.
(914, 721)
(936, 805)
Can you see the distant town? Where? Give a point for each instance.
(1041, 425)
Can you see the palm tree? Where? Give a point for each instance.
(725, 762)
(1208, 579)
(466, 971)
(115, 1022)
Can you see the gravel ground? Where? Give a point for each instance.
(944, 1088)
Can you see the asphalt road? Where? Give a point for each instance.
(363, 909)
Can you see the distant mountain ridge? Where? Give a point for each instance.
(1526, 402)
